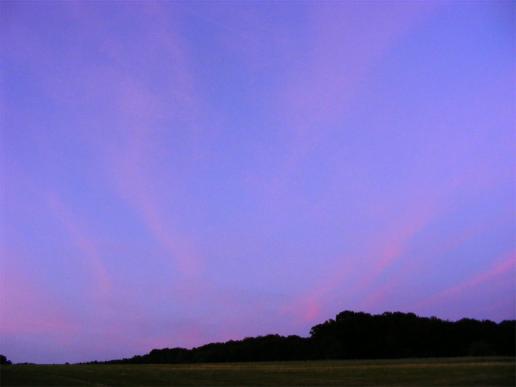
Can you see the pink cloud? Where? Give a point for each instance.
(469, 233)
(392, 245)
(138, 111)
(501, 267)
(312, 100)
(383, 250)
(133, 180)
(87, 247)
(310, 306)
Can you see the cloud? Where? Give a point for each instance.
(322, 86)
(503, 266)
(353, 276)
(87, 247)
(147, 93)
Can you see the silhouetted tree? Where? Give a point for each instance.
(4, 361)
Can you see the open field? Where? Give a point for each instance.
(406, 372)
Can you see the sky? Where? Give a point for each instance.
(179, 173)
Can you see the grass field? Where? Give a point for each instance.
(407, 372)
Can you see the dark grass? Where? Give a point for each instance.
(405, 372)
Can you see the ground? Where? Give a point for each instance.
(406, 372)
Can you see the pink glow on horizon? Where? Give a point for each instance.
(27, 308)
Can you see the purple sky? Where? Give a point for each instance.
(177, 173)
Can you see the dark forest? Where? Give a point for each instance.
(356, 335)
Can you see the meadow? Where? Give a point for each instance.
(495, 371)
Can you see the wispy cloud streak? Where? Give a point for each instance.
(502, 267)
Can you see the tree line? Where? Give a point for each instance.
(356, 335)
(4, 360)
